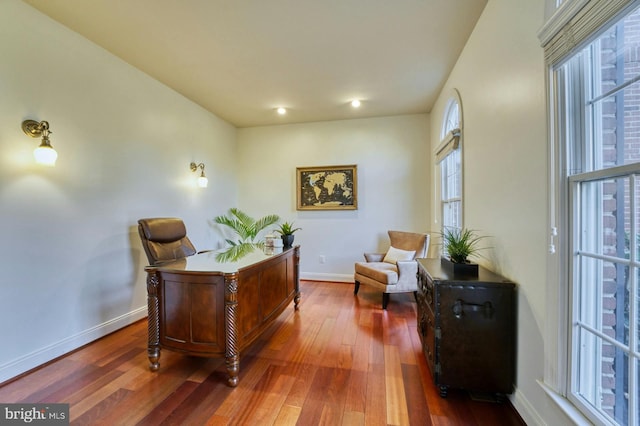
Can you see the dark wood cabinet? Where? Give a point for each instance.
(467, 325)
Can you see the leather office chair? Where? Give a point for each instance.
(396, 271)
(164, 239)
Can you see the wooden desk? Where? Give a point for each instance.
(200, 307)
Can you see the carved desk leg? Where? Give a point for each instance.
(153, 350)
(231, 328)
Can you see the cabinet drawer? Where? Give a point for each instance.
(428, 346)
(426, 288)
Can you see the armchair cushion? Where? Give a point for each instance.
(395, 254)
(382, 272)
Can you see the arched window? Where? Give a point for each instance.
(449, 157)
(451, 117)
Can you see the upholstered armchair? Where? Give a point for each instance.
(396, 270)
(164, 239)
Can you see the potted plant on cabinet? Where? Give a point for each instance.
(286, 229)
(459, 245)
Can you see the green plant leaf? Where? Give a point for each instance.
(244, 225)
(266, 221)
(459, 244)
(287, 228)
(247, 229)
(235, 252)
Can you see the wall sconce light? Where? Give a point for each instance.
(44, 154)
(202, 180)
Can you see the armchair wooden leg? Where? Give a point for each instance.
(356, 288)
(385, 300)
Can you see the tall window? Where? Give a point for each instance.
(449, 156)
(599, 102)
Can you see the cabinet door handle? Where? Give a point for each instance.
(429, 295)
(460, 306)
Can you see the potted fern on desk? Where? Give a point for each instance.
(246, 229)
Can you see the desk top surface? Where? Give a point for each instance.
(206, 262)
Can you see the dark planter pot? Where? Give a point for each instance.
(287, 240)
(459, 269)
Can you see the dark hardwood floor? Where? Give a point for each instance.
(340, 360)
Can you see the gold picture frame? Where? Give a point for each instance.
(327, 187)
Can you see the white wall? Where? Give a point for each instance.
(500, 77)
(72, 264)
(393, 184)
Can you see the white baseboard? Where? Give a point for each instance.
(43, 355)
(318, 276)
(526, 410)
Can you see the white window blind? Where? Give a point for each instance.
(561, 42)
(450, 143)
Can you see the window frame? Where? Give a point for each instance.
(563, 179)
(449, 153)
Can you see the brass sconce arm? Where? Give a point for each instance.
(202, 180)
(44, 154)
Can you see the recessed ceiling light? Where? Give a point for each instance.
(282, 111)
(355, 103)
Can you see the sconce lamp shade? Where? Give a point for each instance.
(46, 155)
(43, 154)
(202, 180)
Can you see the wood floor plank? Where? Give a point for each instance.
(417, 403)
(375, 411)
(86, 398)
(397, 410)
(102, 382)
(59, 390)
(268, 398)
(201, 374)
(376, 360)
(302, 340)
(320, 346)
(171, 403)
(103, 412)
(356, 401)
(21, 389)
(201, 404)
(353, 418)
(288, 416)
(362, 348)
(326, 399)
(340, 360)
(304, 376)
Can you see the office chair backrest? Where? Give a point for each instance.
(164, 239)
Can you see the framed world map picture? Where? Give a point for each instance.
(327, 188)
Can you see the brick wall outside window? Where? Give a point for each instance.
(620, 145)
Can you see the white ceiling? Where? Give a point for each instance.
(241, 59)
